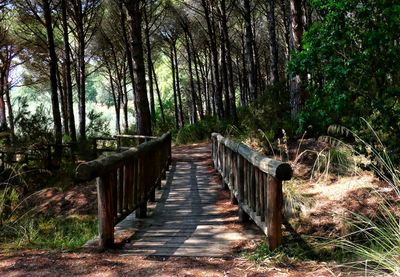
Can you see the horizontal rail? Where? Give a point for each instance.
(126, 181)
(255, 182)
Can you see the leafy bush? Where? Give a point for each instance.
(98, 125)
(351, 57)
(200, 131)
(33, 127)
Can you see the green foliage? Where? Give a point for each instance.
(352, 58)
(200, 131)
(338, 160)
(49, 233)
(270, 114)
(98, 126)
(33, 127)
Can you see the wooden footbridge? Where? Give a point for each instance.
(185, 219)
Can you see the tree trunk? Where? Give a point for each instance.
(158, 94)
(177, 117)
(214, 52)
(53, 80)
(67, 73)
(128, 50)
(178, 87)
(227, 43)
(224, 71)
(63, 102)
(149, 68)
(249, 53)
(10, 111)
(143, 117)
(273, 43)
(81, 70)
(192, 89)
(3, 118)
(297, 93)
(125, 101)
(196, 61)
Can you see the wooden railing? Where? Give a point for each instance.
(115, 143)
(255, 182)
(126, 181)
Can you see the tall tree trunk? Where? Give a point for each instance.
(158, 94)
(297, 93)
(224, 71)
(63, 102)
(81, 69)
(192, 89)
(128, 49)
(53, 80)
(3, 118)
(117, 103)
(143, 117)
(149, 68)
(178, 87)
(125, 101)
(214, 52)
(10, 110)
(212, 83)
(177, 117)
(249, 53)
(227, 43)
(196, 62)
(273, 43)
(204, 74)
(67, 73)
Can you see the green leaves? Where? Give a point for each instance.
(351, 57)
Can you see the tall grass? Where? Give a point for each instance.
(376, 242)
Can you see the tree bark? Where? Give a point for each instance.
(177, 117)
(143, 117)
(214, 52)
(273, 42)
(128, 50)
(81, 69)
(178, 86)
(297, 93)
(67, 73)
(227, 43)
(158, 94)
(149, 68)
(192, 89)
(249, 53)
(53, 80)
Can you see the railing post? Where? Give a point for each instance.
(105, 207)
(169, 140)
(141, 212)
(274, 208)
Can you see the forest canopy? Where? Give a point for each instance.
(165, 65)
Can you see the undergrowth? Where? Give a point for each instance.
(48, 233)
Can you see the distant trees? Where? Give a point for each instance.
(180, 61)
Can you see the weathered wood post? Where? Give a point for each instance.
(256, 182)
(105, 211)
(125, 181)
(95, 148)
(274, 208)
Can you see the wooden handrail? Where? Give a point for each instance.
(255, 182)
(126, 181)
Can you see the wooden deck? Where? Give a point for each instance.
(186, 219)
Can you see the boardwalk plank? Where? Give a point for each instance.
(186, 220)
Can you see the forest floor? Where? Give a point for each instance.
(323, 204)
